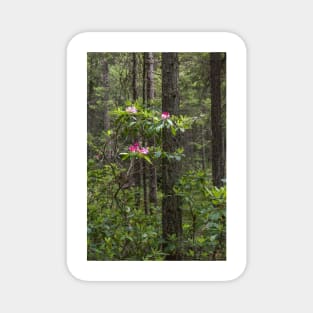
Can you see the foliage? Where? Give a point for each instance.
(204, 216)
(117, 231)
(117, 228)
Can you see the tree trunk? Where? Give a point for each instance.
(134, 77)
(137, 167)
(171, 211)
(203, 147)
(149, 64)
(105, 79)
(150, 77)
(143, 163)
(218, 163)
(91, 99)
(224, 110)
(144, 183)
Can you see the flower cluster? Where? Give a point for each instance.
(135, 147)
(131, 109)
(165, 115)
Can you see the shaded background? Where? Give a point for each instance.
(34, 35)
(172, 204)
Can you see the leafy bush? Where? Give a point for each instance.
(117, 228)
(204, 212)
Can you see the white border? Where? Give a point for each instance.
(77, 158)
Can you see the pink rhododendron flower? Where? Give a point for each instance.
(135, 147)
(144, 150)
(165, 115)
(131, 109)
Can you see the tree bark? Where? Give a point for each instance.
(105, 80)
(203, 147)
(150, 77)
(91, 98)
(224, 110)
(137, 167)
(218, 162)
(143, 163)
(171, 211)
(134, 77)
(149, 64)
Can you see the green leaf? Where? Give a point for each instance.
(157, 154)
(158, 128)
(147, 159)
(169, 122)
(125, 156)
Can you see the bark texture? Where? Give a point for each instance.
(137, 165)
(149, 67)
(134, 76)
(171, 211)
(218, 161)
(105, 79)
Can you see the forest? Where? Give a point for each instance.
(156, 148)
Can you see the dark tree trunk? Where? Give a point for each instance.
(171, 211)
(150, 77)
(90, 96)
(224, 111)
(134, 77)
(218, 162)
(91, 114)
(106, 118)
(137, 167)
(149, 64)
(105, 79)
(144, 79)
(144, 166)
(203, 147)
(144, 183)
